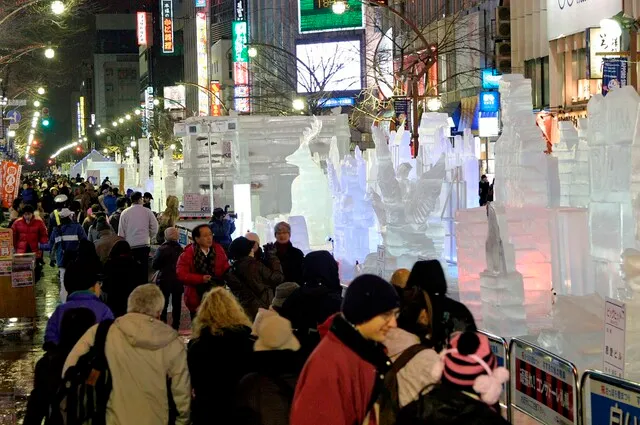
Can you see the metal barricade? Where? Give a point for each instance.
(500, 349)
(543, 385)
(606, 399)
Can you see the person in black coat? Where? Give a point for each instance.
(250, 280)
(219, 355)
(290, 257)
(120, 277)
(165, 261)
(264, 397)
(48, 371)
(319, 297)
(427, 312)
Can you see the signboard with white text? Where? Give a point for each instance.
(599, 42)
(168, 45)
(566, 17)
(141, 28)
(202, 59)
(615, 320)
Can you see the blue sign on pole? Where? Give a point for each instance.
(489, 101)
(490, 79)
(14, 116)
(201, 3)
(614, 74)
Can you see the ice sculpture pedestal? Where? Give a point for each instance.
(502, 298)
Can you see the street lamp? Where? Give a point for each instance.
(253, 52)
(41, 91)
(137, 112)
(105, 150)
(298, 104)
(36, 103)
(172, 146)
(11, 133)
(133, 144)
(339, 7)
(611, 27)
(156, 102)
(127, 117)
(121, 120)
(434, 104)
(49, 53)
(57, 7)
(115, 124)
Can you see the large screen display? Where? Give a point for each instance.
(331, 66)
(318, 16)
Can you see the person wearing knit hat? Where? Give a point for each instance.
(275, 333)
(251, 281)
(282, 293)
(346, 371)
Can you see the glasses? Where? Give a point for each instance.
(394, 314)
(284, 232)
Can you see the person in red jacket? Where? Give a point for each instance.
(28, 232)
(343, 376)
(201, 267)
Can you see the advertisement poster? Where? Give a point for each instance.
(6, 244)
(543, 386)
(610, 404)
(6, 267)
(10, 180)
(614, 74)
(22, 279)
(615, 319)
(196, 205)
(93, 177)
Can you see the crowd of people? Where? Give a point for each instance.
(275, 339)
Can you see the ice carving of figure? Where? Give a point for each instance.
(496, 262)
(404, 206)
(310, 195)
(352, 211)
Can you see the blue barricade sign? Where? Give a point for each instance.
(609, 400)
(543, 385)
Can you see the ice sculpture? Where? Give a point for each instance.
(130, 171)
(352, 212)
(566, 151)
(403, 207)
(144, 155)
(502, 287)
(612, 129)
(525, 175)
(310, 195)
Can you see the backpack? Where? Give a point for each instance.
(86, 387)
(387, 404)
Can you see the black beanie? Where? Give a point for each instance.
(240, 247)
(428, 276)
(367, 297)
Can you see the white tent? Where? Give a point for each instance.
(81, 166)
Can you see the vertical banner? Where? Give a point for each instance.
(614, 74)
(141, 28)
(543, 385)
(10, 179)
(202, 55)
(240, 56)
(166, 7)
(615, 319)
(216, 104)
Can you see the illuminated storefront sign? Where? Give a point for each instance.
(240, 10)
(82, 117)
(202, 62)
(141, 29)
(490, 79)
(489, 101)
(216, 104)
(168, 44)
(240, 56)
(79, 118)
(148, 111)
(336, 101)
(318, 16)
(201, 3)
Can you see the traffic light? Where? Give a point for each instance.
(46, 122)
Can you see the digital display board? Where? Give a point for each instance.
(318, 16)
(330, 66)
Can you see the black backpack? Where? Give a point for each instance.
(86, 387)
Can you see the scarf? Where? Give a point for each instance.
(204, 263)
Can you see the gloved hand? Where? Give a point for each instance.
(269, 249)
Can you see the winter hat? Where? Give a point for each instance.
(102, 224)
(240, 248)
(368, 296)
(275, 333)
(428, 276)
(282, 293)
(469, 365)
(320, 268)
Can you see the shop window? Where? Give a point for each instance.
(579, 64)
(537, 70)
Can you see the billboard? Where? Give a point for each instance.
(318, 16)
(240, 58)
(174, 97)
(239, 39)
(566, 17)
(202, 54)
(166, 8)
(329, 66)
(216, 104)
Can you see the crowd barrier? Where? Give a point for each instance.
(547, 388)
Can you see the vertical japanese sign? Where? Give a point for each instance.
(598, 42)
(240, 56)
(543, 386)
(166, 7)
(615, 319)
(82, 117)
(141, 28)
(607, 403)
(10, 179)
(216, 104)
(148, 111)
(202, 54)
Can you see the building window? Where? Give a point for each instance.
(579, 64)
(537, 70)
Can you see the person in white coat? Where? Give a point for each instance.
(142, 353)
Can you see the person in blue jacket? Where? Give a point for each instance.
(64, 241)
(222, 228)
(81, 281)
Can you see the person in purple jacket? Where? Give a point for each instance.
(81, 282)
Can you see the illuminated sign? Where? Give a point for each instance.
(329, 66)
(489, 101)
(337, 101)
(168, 44)
(148, 112)
(318, 16)
(598, 43)
(241, 89)
(174, 97)
(79, 118)
(240, 10)
(488, 124)
(202, 62)
(490, 79)
(239, 41)
(201, 3)
(82, 117)
(141, 30)
(216, 104)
